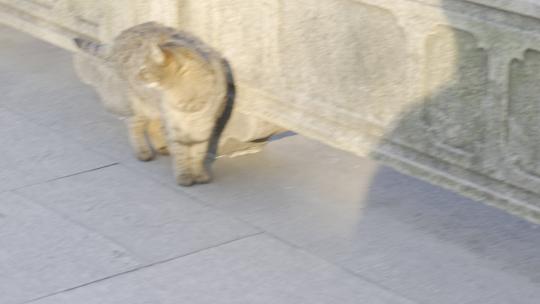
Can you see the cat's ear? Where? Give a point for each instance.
(157, 55)
(181, 53)
(161, 55)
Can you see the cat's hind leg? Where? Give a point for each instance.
(137, 136)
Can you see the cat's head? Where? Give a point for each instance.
(166, 64)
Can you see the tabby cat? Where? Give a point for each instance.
(176, 91)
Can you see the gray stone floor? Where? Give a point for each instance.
(81, 221)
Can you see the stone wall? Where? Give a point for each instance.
(58, 21)
(446, 90)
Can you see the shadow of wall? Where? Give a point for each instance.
(471, 120)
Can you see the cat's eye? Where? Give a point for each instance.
(146, 76)
(143, 73)
(180, 68)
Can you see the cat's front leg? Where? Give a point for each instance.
(200, 163)
(190, 163)
(136, 127)
(156, 135)
(181, 163)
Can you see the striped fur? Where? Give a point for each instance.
(180, 93)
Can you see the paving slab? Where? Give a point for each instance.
(254, 270)
(412, 237)
(33, 154)
(23, 58)
(39, 83)
(417, 239)
(42, 253)
(40, 94)
(151, 221)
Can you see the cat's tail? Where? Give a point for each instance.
(91, 47)
(222, 121)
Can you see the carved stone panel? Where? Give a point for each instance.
(119, 15)
(524, 113)
(42, 8)
(86, 17)
(344, 55)
(246, 32)
(455, 86)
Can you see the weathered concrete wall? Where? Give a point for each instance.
(446, 90)
(58, 21)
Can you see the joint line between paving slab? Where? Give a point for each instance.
(356, 275)
(201, 201)
(82, 172)
(141, 268)
(75, 139)
(61, 177)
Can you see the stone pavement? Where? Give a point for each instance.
(81, 221)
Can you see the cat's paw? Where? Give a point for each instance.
(202, 178)
(162, 150)
(145, 155)
(184, 179)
